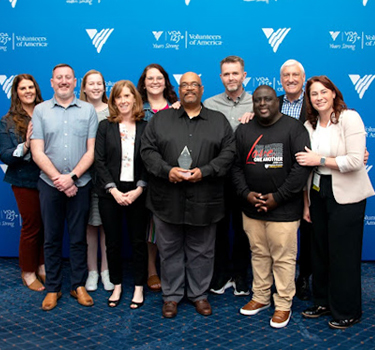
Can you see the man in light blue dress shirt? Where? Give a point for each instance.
(64, 130)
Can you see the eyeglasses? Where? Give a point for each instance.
(157, 78)
(194, 85)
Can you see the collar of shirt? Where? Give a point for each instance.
(202, 114)
(299, 99)
(75, 102)
(238, 99)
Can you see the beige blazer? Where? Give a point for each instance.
(348, 138)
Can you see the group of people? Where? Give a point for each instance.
(181, 172)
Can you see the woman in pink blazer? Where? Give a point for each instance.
(335, 202)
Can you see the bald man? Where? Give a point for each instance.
(187, 197)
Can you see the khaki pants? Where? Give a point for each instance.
(273, 248)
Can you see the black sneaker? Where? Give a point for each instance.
(240, 286)
(220, 285)
(316, 311)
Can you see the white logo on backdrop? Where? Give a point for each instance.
(275, 38)
(3, 167)
(187, 2)
(99, 38)
(361, 84)
(13, 3)
(157, 35)
(368, 168)
(246, 81)
(365, 2)
(7, 84)
(334, 35)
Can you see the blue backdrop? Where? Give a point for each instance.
(119, 38)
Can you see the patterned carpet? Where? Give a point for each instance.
(24, 325)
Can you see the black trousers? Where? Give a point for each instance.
(136, 220)
(56, 207)
(236, 263)
(304, 259)
(336, 252)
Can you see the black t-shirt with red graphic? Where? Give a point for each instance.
(265, 163)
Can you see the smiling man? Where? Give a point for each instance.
(231, 269)
(269, 180)
(186, 195)
(62, 145)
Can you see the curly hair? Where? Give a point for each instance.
(82, 95)
(16, 115)
(168, 93)
(138, 112)
(338, 102)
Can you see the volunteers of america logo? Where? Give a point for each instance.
(365, 2)
(3, 167)
(275, 38)
(176, 39)
(4, 40)
(361, 84)
(334, 35)
(99, 38)
(187, 2)
(368, 168)
(251, 83)
(6, 84)
(10, 217)
(13, 3)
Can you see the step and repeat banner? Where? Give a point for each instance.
(120, 37)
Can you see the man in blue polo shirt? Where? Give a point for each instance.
(62, 145)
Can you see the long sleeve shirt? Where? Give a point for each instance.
(265, 163)
(210, 141)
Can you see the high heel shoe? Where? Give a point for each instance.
(35, 286)
(137, 304)
(114, 303)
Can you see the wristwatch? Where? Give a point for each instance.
(323, 161)
(73, 176)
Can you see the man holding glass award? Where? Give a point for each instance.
(187, 152)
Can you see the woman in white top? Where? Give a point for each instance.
(335, 202)
(121, 180)
(93, 90)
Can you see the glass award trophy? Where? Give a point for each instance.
(185, 161)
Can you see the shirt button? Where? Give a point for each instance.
(66, 146)
(65, 121)
(64, 158)
(190, 135)
(66, 134)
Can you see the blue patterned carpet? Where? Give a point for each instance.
(24, 325)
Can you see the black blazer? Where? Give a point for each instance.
(302, 116)
(108, 155)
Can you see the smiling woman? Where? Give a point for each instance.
(22, 173)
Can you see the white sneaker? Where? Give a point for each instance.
(108, 286)
(92, 281)
(280, 318)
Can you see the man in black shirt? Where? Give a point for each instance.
(270, 181)
(187, 202)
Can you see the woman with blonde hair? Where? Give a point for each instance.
(93, 90)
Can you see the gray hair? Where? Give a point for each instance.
(290, 63)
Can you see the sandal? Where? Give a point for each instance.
(153, 281)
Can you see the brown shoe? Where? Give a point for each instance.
(169, 309)
(36, 286)
(253, 307)
(82, 296)
(50, 301)
(203, 307)
(280, 318)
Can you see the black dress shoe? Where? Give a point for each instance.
(316, 311)
(343, 324)
(303, 288)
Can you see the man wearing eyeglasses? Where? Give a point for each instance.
(187, 152)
